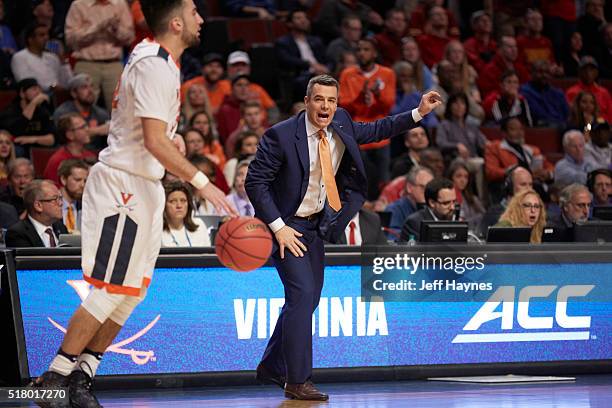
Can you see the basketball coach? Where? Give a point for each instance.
(307, 182)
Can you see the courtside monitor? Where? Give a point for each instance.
(603, 213)
(444, 231)
(509, 234)
(593, 231)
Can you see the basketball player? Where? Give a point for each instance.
(124, 199)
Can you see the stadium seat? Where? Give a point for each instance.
(6, 97)
(263, 68)
(278, 29)
(214, 36)
(40, 156)
(244, 32)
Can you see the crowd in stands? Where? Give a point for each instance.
(522, 138)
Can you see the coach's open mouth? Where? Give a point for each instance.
(323, 115)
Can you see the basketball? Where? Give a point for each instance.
(243, 244)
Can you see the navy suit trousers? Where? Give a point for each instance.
(289, 351)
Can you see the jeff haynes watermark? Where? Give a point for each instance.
(425, 273)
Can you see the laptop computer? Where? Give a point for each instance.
(69, 240)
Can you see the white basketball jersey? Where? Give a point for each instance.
(149, 88)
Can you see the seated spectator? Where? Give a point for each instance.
(246, 146)
(418, 23)
(455, 134)
(7, 41)
(507, 102)
(415, 140)
(547, 104)
(588, 72)
(195, 101)
(572, 55)
(7, 154)
(363, 229)
(501, 155)
(350, 33)
(73, 134)
(72, 175)
(455, 54)
(299, 53)
(435, 37)
(347, 59)
(450, 82)
(332, 12)
(407, 96)
(390, 40)
(43, 223)
(598, 150)
(505, 59)
(584, 113)
(252, 119)
(83, 102)
(239, 63)
(34, 62)
(526, 209)
(533, 46)
(599, 183)
(212, 79)
(8, 216)
(572, 168)
(575, 202)
(480, 48)
(28, 118)
(262, 9)
(413, 198)
(440, 201)
(181, 229)
(204, 122)
(517, 179)
(238, 195)
(588, 25)
(472, 209)
(197, 142)
(412, 54)
(228, 115)
(20, 174)
(432, 158)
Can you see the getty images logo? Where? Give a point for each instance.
(505, 296)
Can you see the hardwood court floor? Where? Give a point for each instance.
(593, 391)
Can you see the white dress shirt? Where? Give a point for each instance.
(40, 230)
(315, 197)
(347, 231)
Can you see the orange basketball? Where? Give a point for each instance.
(243, 244)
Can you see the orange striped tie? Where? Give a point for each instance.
(70, 220)
(328, 173)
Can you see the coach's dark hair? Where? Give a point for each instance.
(157, 13)
(434, 186)
(325, 80)
(185, 188)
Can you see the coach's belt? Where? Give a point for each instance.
(311, 217)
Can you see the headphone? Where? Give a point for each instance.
(508, 186)
(593, 174)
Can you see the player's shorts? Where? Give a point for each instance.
(121, 229)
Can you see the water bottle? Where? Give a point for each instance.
(411, 241)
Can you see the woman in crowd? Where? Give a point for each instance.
(584, 113)
(526, 209)
(246, 146)
(210, 146)
(238, 197)
(472, 209)
(408, 96)
(7, 153)
(455, 54)
(412, 54)
(180, 228)
(573, 53)
(196, 100)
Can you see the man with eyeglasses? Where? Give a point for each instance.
(413, 199)
(575, 202)
(42, 225)
(73, 131)
(440, 198)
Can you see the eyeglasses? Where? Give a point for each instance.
(582, 206)
(83, 126)
(529, 206)
(57, 199)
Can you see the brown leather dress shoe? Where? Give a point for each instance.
(266, 376)
(305, 391)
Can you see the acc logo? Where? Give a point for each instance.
(125, 198)
(504, 296)
(139, 357)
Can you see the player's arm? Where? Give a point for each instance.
(165, 151)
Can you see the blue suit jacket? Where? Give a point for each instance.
(278, 177)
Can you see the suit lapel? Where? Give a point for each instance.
(32, 234)
(351, 146)
(301, 145)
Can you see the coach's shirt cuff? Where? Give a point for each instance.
(276, 224)
(416, 115)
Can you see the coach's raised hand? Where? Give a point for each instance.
(430, 101)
